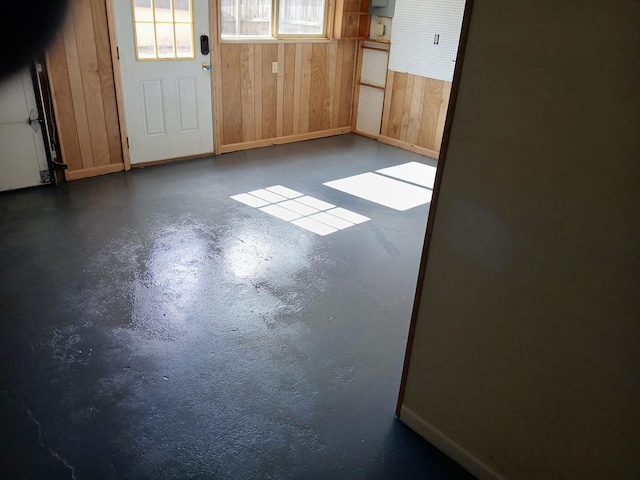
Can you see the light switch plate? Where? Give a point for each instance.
(274, 67)
(380, 29)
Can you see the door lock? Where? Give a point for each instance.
(206, 67)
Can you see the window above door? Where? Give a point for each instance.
(163, 29)
(273, 19)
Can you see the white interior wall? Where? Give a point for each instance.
(526, 359)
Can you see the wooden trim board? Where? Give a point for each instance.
(93, 172)
(447, 446)
(234, 147)
(117, 77)
(408, 146)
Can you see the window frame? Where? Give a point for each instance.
(173, 22)
(274, 37)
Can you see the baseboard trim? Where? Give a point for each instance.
(438, 439)
(234, 147)
(93, 172)
(409, 146)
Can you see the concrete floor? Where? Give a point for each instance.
(153, 328)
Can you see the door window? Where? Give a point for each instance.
(163, 29)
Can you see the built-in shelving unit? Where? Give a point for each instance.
(351, 20)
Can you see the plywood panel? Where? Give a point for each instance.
(83, 88)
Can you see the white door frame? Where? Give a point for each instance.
(115, 57)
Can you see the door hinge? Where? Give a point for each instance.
(118, 52)
(45, 176)
(128, 147)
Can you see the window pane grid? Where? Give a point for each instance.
(273, 18)
(163, 29)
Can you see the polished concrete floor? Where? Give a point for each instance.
(154, 328)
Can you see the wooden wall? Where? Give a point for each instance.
(82, 84)
(414, 112)
(310, 96)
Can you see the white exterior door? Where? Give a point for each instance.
(167, 92)
(22, 153)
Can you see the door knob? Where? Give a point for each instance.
(206, 67)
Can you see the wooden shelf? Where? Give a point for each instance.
(369, 85)
(352, 20)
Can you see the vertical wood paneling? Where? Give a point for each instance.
(269, 92)
(287, 107)
(231, 94)
(280, 92)
(331, 85)
(347, 81)
(83, 89)
(91, 85)
(77, 93)
(247, 91)
(317, 88)
(297, 89)
(305, 86)
(430, 113)
(63, 105)
(312, 91)
(398, 88)
(107, 82)
(337, 82)
(415, 109)
(406, 108)
(257, 91)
